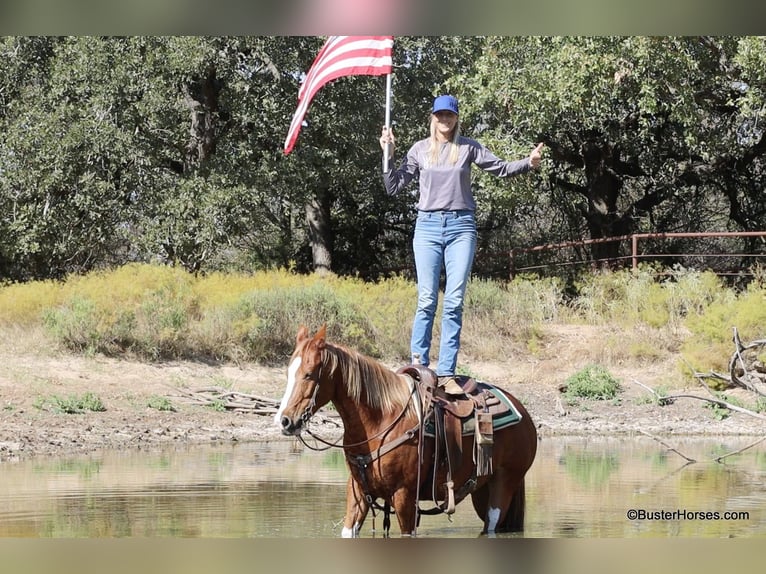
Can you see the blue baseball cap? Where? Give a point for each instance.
(445, 103)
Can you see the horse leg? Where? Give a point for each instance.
(499, 500)
(404, 507)
(480, 499)
(514, 517)
(356, 510)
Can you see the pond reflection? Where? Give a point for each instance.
(577, 487)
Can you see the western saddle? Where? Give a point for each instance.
(453, 407)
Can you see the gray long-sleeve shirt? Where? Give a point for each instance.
(447, 186)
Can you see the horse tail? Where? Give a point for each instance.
(514, 518)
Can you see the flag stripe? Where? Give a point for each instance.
(342, 47)
(340, 56)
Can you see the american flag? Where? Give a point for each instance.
(340, 56)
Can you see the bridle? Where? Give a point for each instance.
(362, 462)
(307, 414)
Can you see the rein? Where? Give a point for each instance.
(362, 461)
(383, 449)
(306, 416)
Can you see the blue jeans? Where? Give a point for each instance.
(442, 239)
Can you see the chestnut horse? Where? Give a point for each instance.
(388, 455)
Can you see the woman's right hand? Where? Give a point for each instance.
(387, 137)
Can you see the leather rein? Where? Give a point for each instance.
(363, 461)
(381, 450)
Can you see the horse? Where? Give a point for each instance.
(388, 455)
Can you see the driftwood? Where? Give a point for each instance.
(690, 460)
(230, 400)
(669, 399)
(747, 367)
(746, 370)
(221, 398)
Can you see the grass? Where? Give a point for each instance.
(153, 313)
(659, 397)
(71, 404)
(160, 403)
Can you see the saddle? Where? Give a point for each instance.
(454, 407)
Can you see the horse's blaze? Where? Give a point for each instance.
(501, 506)
(291, 372)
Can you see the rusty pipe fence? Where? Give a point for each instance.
(636, 255)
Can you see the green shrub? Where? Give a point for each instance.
(265, 322)
(75, 324)
(628, 297)
(160, 403)
(71, 404)
(159, 312)
(592, 382)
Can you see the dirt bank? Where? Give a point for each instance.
(29, 427)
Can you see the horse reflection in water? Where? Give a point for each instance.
(390, 457)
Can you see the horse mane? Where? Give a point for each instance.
(367, 379)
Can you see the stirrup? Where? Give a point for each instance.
(450, 385)
(450, 497)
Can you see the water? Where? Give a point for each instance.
(577, 487)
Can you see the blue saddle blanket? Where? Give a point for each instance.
(507, 417)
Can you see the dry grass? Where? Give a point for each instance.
(155, 312)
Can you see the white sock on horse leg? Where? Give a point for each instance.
(493, 516)
(352, 532)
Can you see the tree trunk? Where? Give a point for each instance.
(320, 231)
(201, 98)
(603, 186)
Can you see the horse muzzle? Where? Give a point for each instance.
(290, 427)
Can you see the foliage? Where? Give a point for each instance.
(498, 312)
(160, 312)
(721, 412)
(627, 297)
(659, 397)
(169, 149)
(160, 403)
(71, 404)
(710, 345)
(140, 309)
(592, 382)
(642, 133)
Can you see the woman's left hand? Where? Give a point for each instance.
(536, 156)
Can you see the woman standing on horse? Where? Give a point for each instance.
(445, 232)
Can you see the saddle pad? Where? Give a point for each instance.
(500, 420)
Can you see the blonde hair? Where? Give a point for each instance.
(434, 148)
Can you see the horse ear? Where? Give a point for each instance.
(320, 337)
(303, 333)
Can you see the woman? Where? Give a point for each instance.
(445, 232)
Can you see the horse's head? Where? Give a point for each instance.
(305, 393)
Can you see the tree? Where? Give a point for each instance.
(641, 132)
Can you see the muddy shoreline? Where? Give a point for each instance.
(29, 429)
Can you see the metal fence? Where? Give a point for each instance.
(727, 259)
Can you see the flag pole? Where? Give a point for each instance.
(388, 120)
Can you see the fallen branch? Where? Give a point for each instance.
(667, 446)
(743, 370)
(741, 450)
(721, 403)
(667, 399)
(662, 400)
(241, 402)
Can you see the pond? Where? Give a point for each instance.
(578, 487)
